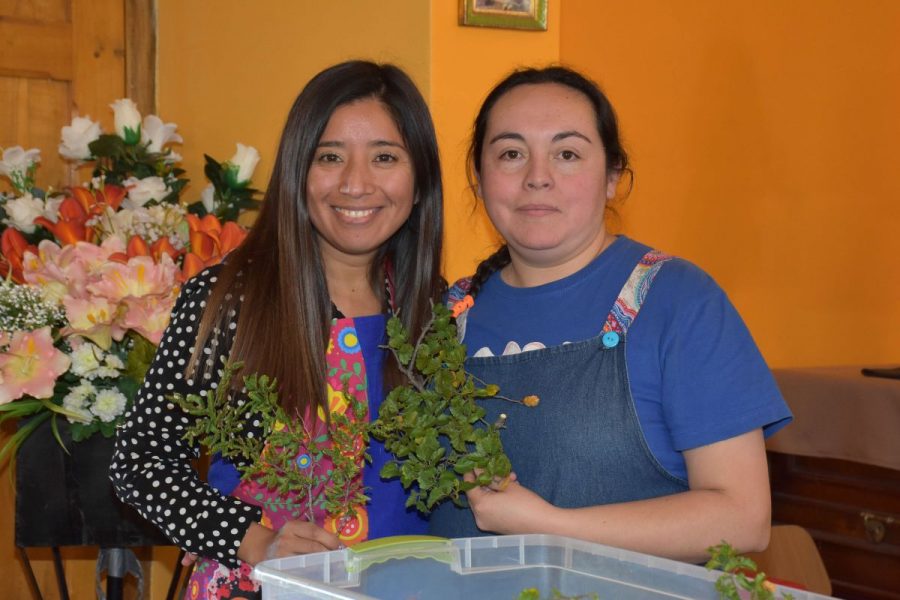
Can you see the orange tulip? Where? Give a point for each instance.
(95, 201)
(13, 246)
(137, 246)
(163, 246)
(210, 241)
(231, 237)
(191, 266)
(70, 224)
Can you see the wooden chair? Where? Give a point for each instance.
(792, 557)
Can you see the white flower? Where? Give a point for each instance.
(85, 389)
(76, 400)
(76, 138)
(86, 360)
(141, 191)
(208, 198)
(51, 207)
(114, 362)
(128, 120)
(172, 157)
(107, 372)
(158, 134)
(84, 417)
(21, 212)
(79, 394)
(244, 160)
(17, 161)
(108, 405)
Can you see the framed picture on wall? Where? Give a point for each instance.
(506, 14)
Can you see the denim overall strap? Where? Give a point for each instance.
(583, 444)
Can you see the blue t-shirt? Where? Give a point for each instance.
(695, 374)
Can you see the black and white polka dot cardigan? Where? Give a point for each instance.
(151, 468)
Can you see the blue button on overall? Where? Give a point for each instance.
(610, 339)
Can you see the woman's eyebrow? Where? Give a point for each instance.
(388, 143)
(374, 143)
(566, 134)
(508, 135)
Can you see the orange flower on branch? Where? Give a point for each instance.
(210, 241)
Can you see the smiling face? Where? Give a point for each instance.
(360, 186)
(543, 177)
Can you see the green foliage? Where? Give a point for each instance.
(230, 198)
(437, 405)
(739, 573)
(118, 160)
(555, 594)
(271, 458)
(140, 355)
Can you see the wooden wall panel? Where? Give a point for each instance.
(38, 108)
(36, 10)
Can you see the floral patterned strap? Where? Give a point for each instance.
(631, 297)
(458, 298)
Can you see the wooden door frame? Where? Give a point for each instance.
(140, 53)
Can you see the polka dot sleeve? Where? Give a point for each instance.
(151, 468)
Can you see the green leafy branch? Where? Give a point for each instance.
(438, 404)
(740, 573)
(555, 594)
(284, 456)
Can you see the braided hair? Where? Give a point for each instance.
(607, 127)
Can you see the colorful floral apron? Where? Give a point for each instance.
(346, 370)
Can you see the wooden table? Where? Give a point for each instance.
(836, 471)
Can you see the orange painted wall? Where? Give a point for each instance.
(765, 138)
(465, 63)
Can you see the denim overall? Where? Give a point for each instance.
(583, 444)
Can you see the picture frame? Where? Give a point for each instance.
(505, 14)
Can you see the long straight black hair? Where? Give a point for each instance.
(277, 276)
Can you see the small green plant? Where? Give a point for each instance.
(283, 456)
(740, 573)
(433, 425)
(555, 594)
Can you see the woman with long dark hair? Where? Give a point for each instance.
(654, 400)
(349, 232)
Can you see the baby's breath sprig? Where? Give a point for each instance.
(22, 308)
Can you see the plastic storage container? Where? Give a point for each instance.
(424, 568)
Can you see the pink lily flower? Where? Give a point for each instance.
(30, 366)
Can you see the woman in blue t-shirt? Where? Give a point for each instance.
(654, 400)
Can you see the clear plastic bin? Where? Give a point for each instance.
(425, 568)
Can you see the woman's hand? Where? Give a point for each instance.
(506, 506)
(295, 537)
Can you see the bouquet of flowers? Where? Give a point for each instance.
(90, 273)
